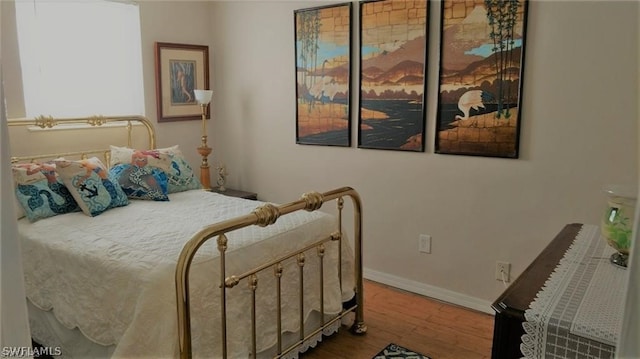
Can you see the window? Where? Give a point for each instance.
(80, 58)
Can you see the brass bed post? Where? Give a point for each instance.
(320, 250)
(253, 285)
(278, 274)
(265, 215)
(222, 248)
(301, 259)
(340, 207)
(85, 123)
(129, 130)
(358, 326)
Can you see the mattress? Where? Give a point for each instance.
(111, 277)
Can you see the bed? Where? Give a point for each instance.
(193, 274)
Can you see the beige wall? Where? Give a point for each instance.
(579, 132)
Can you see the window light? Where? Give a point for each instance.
(80, 58)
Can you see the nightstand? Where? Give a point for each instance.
(236, 193)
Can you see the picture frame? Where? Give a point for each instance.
(393, 61)
(180, 69)
(323, 75)
(480, 80)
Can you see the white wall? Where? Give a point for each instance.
(184, 22)
(579, 132)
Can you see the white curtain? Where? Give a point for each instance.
(14, 328)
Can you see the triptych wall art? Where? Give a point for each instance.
(481, 60)
(323, 75)
(393, 57)
(479, 76)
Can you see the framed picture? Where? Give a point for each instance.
(180, 69)
(393, 59)
(323, 67)
(480, 85)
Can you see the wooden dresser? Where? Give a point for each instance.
(515, 300)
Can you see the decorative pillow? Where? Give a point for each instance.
(180, 174)
(39, 191)
(91, 186)
(144, 175)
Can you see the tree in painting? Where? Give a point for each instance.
(502, 17)
(308, 38)
(322, 75)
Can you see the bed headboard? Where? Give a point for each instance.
(79, 138)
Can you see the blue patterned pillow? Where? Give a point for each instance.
(180, 176)
(91, 186)
(39, 191)
(144, 176)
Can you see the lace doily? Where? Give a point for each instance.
(549, 328)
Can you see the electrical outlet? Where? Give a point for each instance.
(424, 243)
(502, 271)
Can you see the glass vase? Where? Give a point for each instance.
(617, 221)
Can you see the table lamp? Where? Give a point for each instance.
(203, 97)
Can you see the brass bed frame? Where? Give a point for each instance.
(263, 216)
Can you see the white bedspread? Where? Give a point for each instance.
(112, 276)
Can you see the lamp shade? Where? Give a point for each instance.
(203, 96)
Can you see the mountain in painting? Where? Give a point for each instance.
(472, 33)
(406, 72)
(412, 50)
(340, 73)
(397, 74)
(371, 73)
(482, 73)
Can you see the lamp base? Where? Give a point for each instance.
(205, 177)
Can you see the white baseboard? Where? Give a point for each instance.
(438, 293)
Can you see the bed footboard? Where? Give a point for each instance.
(264, 216)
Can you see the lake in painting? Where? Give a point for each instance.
(404, 121)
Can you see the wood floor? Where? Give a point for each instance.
(430, 327)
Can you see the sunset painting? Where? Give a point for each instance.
(481, 65)
(393, 36)
(322, 75)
